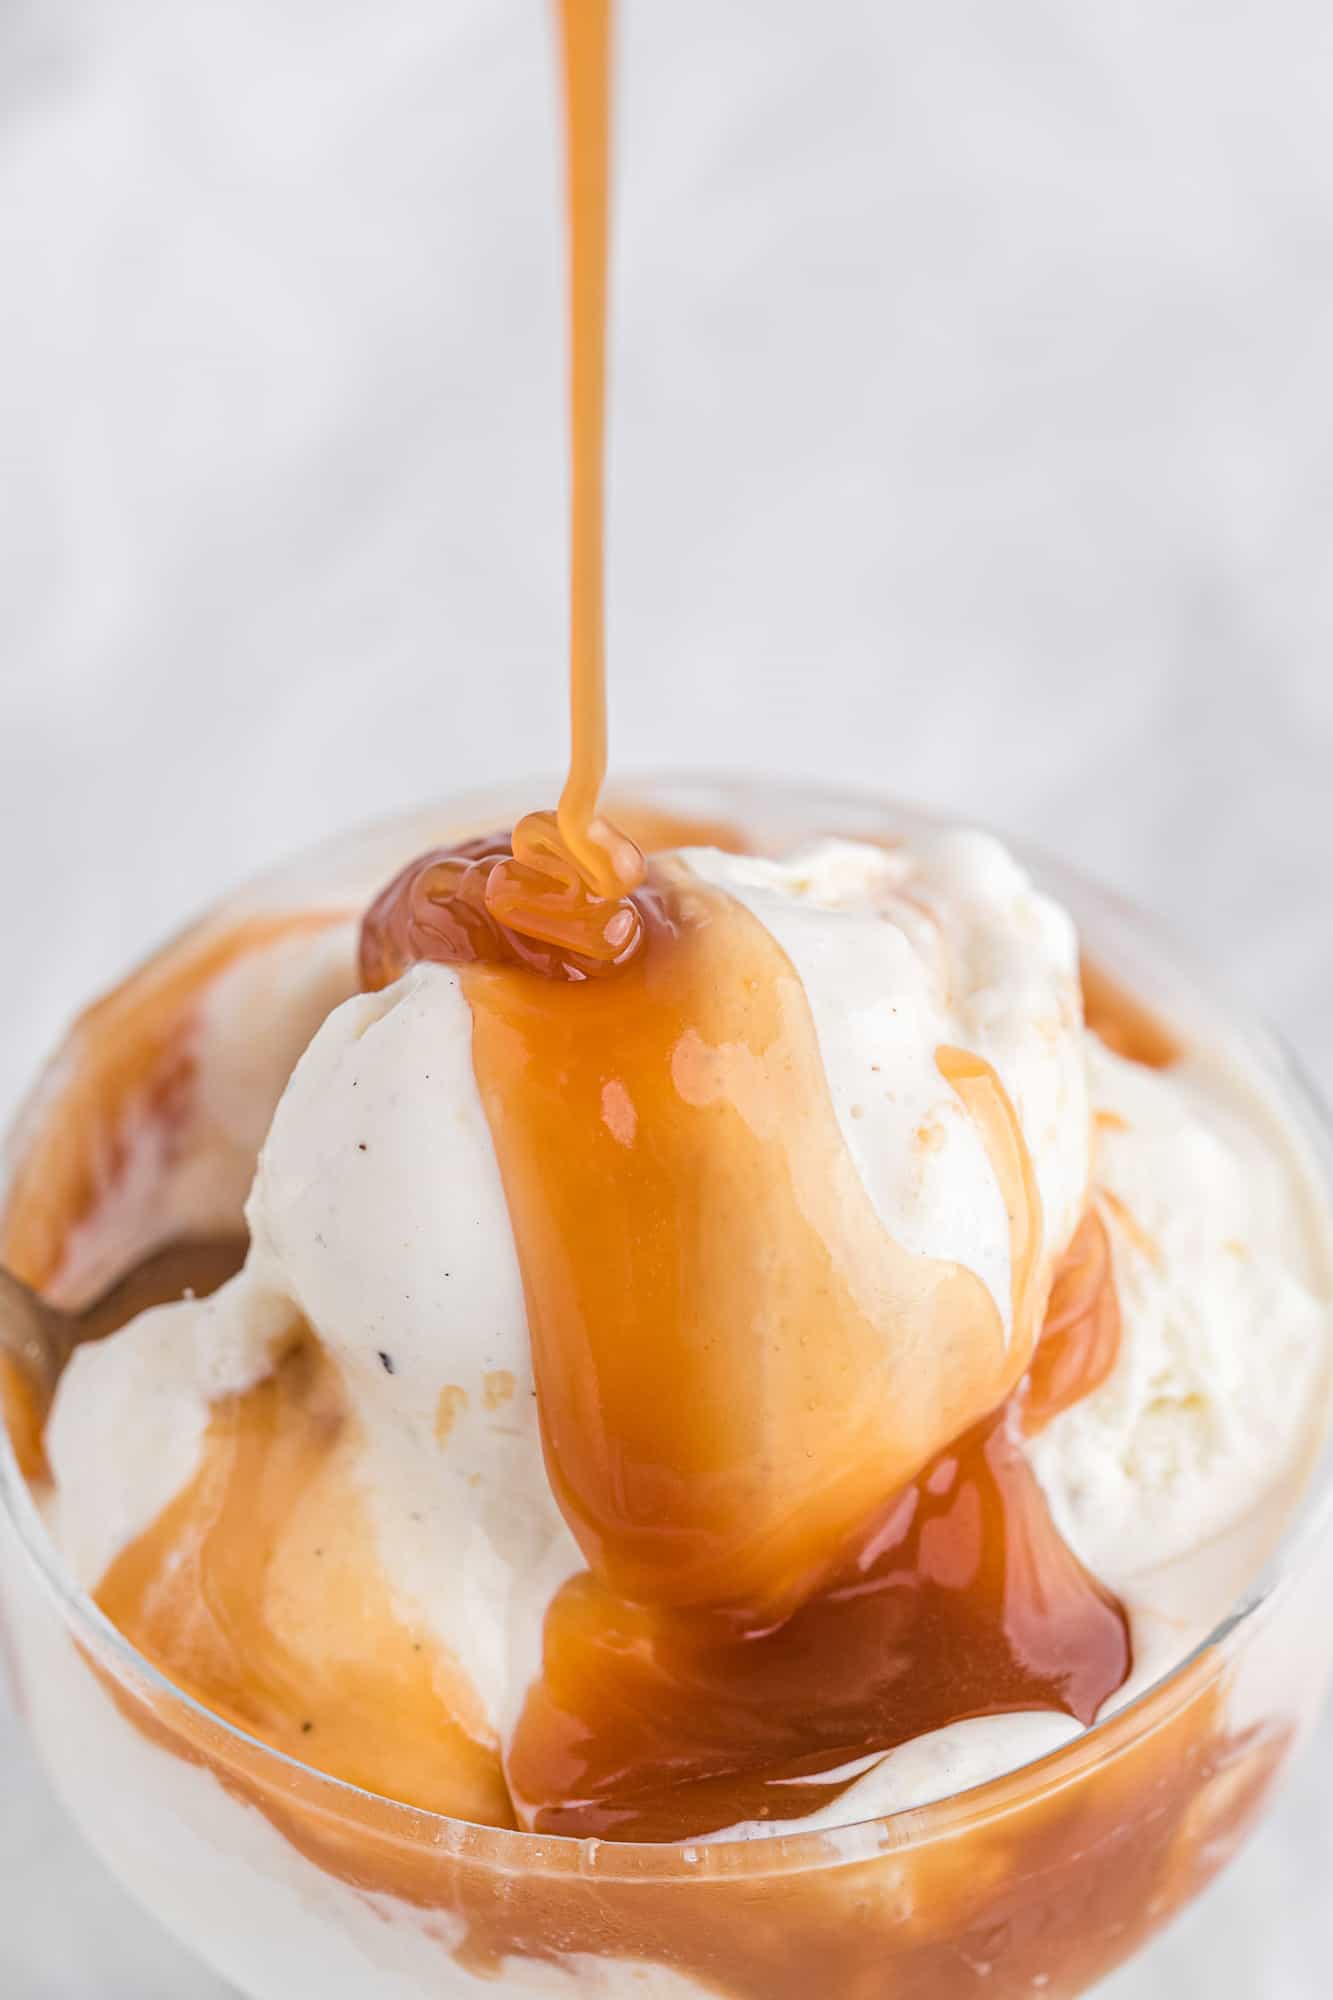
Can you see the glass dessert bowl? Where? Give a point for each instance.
(1039, 1879)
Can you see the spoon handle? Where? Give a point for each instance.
(40, 1339)
(34, 1336)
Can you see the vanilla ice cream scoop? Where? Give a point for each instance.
(924, 1018)
(737, 1355)
(379, 1218)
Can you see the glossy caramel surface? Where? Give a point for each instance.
(259, 1591)
(749, 1394)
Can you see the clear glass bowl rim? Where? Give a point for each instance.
(516, 1852)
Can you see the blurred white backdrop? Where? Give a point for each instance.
(972, 440)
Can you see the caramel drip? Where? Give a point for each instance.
(23, 1417)
(571, 875)
(743, 1383)
(458, 905)
(1076, 1873)
(734, 1361)
(961, 1601)
(480, 900)
(1130, 1227)
(128, 1061)
(1081, 1338)
(585, 46)
(1061, 1885)
(128, 1068)
(1124, 1023)
(1058, 1887)
(259, 1592)
(987, 1102)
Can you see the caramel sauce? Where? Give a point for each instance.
(568, 880)
(606, 862)
(743, 1382)
(128, 1067)
(718, 1320)
(1081, 1337)
(960, 1601)
(478, 902)
(1125, 1025)
(128, 1062)
(1131, 1228)
(984, 1097)
(735, 1367)
(23, 1417)
(259, 1589)
(1068, 1875)
(258, 1592)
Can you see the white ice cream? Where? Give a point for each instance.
(902, 951)
(377, 1214)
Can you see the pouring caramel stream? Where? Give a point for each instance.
(571, 874)
(585, 38)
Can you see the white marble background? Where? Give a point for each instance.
(973, 440)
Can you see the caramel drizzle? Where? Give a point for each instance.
(707, 1597)
(960, 1600)
(479, 902)
(259, 1591)
(1067, 1881)
(782, 1941)
(727, 1489)
(742, 1381)
(604, 859)
(1081, 1337)
(568, 881)
(1123, 1022)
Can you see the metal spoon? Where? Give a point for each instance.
(40, 1338)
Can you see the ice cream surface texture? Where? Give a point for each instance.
(400, 1471)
